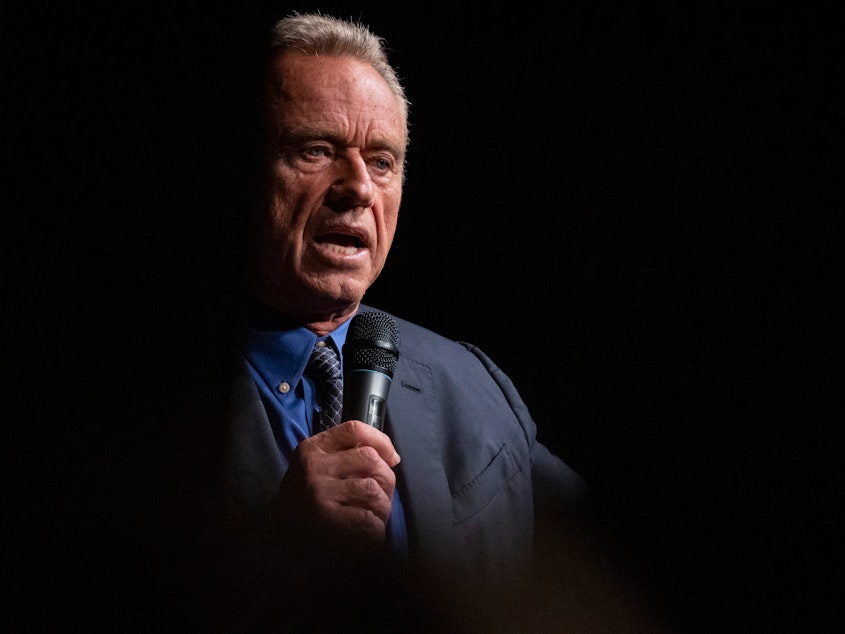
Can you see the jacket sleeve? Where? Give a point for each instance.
(555, 484)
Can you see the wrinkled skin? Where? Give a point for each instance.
(336, 156)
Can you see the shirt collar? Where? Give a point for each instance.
(280, 353)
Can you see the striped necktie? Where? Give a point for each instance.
(324, 368)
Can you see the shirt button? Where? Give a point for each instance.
(284, 388)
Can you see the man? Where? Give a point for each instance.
(451, 493)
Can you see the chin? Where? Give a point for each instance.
(342, 296)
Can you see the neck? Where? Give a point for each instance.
(325, 325)
(265, 313)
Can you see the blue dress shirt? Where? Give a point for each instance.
(276, 357)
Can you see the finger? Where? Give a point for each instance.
(355, 520)
(354, 463)
(360, 506)
(338, 496)
(354, 433)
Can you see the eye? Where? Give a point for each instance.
(313, 152)
(382, 164)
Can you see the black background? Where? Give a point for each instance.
(629, 209)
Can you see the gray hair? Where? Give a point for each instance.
(318, 34)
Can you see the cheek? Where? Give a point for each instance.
(390, 217)
(278, 220)
(387, 231)
(279, 236)
(286, 203)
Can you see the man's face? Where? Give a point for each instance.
(336, 152)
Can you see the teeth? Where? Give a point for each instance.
(342, 250)
(340, 243)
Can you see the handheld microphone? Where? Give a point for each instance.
(369, 359)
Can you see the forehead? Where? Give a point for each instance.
(334, 90)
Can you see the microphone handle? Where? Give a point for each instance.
(365, 396)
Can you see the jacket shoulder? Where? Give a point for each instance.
(423, 344)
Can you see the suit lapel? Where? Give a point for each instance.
(412, 424)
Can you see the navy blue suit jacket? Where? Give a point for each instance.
(472, 472)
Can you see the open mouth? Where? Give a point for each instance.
(340, 243)
(341, 240)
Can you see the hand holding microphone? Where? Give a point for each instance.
(337, 473)
(342, 479)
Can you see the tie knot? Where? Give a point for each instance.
(323, 365)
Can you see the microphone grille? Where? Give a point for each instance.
(372, 342)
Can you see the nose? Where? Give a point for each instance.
(352, 185)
